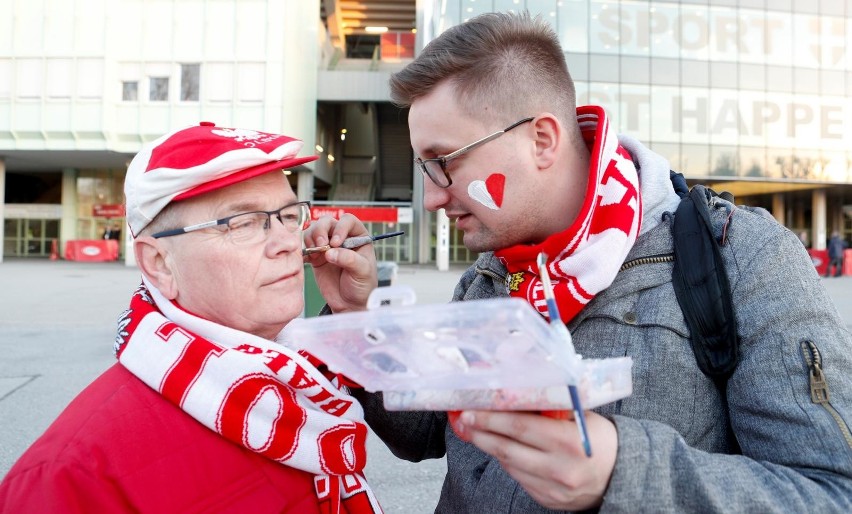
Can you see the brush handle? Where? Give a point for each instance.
(351, 243)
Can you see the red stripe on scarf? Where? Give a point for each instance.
(584, 259)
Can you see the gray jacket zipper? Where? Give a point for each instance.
(819, 387)
(487, 272)
(653, 259)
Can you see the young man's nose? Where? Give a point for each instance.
(435, 197)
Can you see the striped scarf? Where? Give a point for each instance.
(254, 392)
(584, 259)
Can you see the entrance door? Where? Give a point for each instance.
(29, 237)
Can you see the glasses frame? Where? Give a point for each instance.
(224, 221)
(444, 159)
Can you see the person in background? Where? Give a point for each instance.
(521, 170)
(207, 410)
(836, 248)
(803, 237)
(111, 232)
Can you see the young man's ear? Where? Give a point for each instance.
(153, 259)
(548, 133)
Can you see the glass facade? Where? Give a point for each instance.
(725, 89)
(29, 237)
(100, 188)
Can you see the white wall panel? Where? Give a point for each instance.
(7, 24)
(219, 29)
(217, 79)
(58, 30)
(87, 124)
(189, 23)
(29, 78)
(353, 85)
(60, 78)
(56, 123)
(251, 79)
(90, 79)
(28, 29)
(251, 31)
(6, 77)
(250, 117)
(157, 30)
(26, 121)
(90, 27)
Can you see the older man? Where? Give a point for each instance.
(206, 409)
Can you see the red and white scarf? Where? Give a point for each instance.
(584, 259)
(252, 391)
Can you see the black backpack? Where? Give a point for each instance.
(701, 283)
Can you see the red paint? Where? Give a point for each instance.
(495, 184)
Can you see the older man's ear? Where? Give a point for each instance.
(153, 258)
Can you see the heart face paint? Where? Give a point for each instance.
(490, 192)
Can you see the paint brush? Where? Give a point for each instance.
(352, 242)
(562, 330)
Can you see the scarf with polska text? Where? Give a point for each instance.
(584, 259)
(254, 392)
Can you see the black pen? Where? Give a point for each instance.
(352, 242)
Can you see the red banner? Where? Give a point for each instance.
(95, 250)
(108, 210)
(365, 214)
(820, 260)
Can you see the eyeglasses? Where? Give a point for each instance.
(252, 227)
(436, 168)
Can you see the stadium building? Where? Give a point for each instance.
(749, 96)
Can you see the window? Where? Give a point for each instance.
(130, 91)
(90, 78)
(59, 73)
(159, 89)
(189, 79)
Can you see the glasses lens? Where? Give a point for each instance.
(295, 217)
(248, 228)
(433, 170)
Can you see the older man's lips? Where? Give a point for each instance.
(281, 279)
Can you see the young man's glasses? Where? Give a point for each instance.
(248, 228)
(436, 168)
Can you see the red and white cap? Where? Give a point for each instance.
(199, 159)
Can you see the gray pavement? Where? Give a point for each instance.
(57, 321)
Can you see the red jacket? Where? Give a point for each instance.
(119, 446)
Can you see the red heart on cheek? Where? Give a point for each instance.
(495, 184)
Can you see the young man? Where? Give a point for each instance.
(206, 409)
(521, 170)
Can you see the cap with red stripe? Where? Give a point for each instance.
(195, 160)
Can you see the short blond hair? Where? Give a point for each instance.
(502, 65)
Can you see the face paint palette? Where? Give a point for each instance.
(496, 353)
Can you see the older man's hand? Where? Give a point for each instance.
(345, 277)
(545, 455)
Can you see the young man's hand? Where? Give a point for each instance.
(545, 455)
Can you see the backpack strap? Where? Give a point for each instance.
(702, 287)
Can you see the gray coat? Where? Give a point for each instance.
(774, 444)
